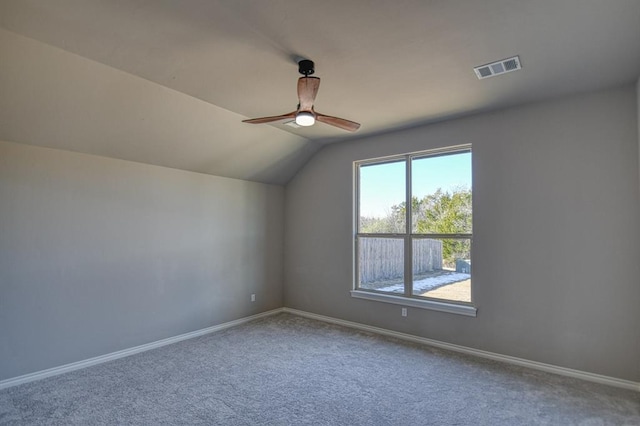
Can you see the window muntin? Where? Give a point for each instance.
(431, 257)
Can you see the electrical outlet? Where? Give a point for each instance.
(404, 312)
(253, 297)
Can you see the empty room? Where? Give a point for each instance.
(194, 230)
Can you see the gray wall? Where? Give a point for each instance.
(98, 255)
(556, 274)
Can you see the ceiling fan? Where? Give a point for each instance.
(305, 115)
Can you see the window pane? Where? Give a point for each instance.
(441, 194)
(382, 198)
(442, 268)
(381, 264)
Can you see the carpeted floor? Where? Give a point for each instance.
(288, 370)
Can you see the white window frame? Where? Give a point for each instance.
(407, 299)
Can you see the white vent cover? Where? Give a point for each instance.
(499, 67)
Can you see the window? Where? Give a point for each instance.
(414, 230)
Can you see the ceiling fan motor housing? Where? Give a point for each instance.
(306, 67)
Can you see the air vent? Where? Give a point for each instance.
(498, 67)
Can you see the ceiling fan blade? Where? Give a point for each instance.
(271, 119)
(350, 126)
(307, 91)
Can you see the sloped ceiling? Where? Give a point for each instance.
(168, 82)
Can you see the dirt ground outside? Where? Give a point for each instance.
(460, 291)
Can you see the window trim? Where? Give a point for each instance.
(407, 299)
(413, 302)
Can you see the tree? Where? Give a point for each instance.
(446, 213)
(442, 212)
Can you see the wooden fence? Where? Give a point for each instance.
(382, 258)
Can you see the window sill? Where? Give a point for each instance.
(451, 308)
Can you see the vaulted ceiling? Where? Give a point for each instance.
(168, 82)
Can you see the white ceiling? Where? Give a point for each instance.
(104, 68)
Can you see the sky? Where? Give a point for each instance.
(383, 185)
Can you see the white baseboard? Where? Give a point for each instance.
(131, 351)
(591, 377)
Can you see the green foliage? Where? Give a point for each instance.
(438, 213)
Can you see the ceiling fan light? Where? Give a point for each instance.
(305, 118)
